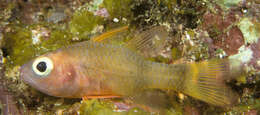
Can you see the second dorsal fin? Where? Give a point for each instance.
(149, 42)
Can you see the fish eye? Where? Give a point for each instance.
(42, 66)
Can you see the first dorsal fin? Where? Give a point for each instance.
(109, 34)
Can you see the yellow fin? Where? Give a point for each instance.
(207, 83)
(108, 34)
(150, 41)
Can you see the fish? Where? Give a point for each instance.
(101, 70)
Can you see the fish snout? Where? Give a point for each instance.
(25, 73)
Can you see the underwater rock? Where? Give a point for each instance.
(7, 102)
(255, 47)
(251, 43)
(189, 110)
(250, 30)
(57, 16)
(102, 12)
(223, 32)
(235, 31)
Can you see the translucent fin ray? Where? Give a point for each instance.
(207, 83)
(148, 42)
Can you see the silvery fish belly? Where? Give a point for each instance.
(106, 70)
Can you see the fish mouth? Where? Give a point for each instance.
(22, 73)
(25, 75)
(25, 78)
(28, 80)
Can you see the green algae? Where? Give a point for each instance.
(249, 30)
(101, 107)
(95, 107)
(83, 22)
(220, 53)
(20, 45)
(58, 38)
(176, 53)
(250, 104)
(17, 43)
(169, 3)
(227, 4)
(118, 8)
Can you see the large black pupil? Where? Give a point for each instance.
(41, 66)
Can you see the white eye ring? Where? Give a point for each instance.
(48, 66)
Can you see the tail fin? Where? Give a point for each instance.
(207, 82)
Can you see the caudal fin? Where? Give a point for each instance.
(207, 82)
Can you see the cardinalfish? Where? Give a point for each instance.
(101, 70)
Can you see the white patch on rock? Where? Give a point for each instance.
(258, 62)
(36, 37)
(38, 34)
(116, 20)
(244, 55)
(188, 38)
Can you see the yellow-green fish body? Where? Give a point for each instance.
(106, 70)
